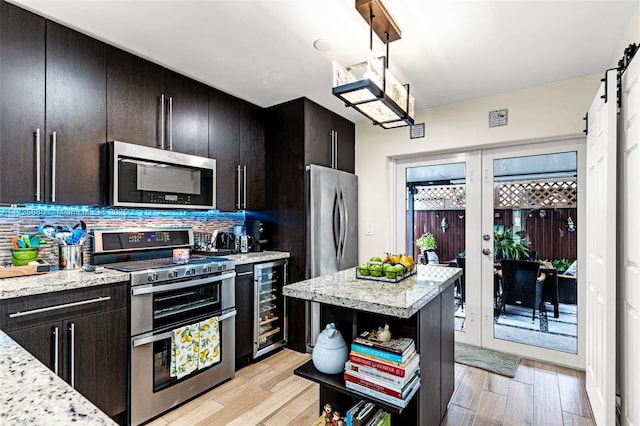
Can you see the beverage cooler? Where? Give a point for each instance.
(269, 326)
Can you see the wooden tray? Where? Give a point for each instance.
(19, 271)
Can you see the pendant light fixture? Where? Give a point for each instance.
(369, 86)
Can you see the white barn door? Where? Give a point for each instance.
(601, 253)
(629, 251)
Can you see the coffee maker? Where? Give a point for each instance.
(255, 228)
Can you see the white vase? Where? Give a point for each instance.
(330, 351)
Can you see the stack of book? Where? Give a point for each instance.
(366, 414)
(388, 371)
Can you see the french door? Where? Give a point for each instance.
(547, 176)
(474, 240)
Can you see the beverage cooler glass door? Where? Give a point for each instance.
(269, 327)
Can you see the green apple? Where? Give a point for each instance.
(375, 259)
(364, 269)
(390, 271)
(375, 270)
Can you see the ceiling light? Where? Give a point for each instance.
(369, 86)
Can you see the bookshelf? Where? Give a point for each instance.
(431, 328)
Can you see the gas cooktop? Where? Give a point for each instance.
(164, 262)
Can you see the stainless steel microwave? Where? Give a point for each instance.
(141, 176)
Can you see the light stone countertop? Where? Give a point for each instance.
(57, 281)
(400, 300)
(32, 394)
(257, 257)
(77, 278)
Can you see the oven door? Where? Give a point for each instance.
(156, 306)
(154, 391)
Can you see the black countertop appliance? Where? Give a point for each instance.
(255, 228)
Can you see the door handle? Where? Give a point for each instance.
(72, 345)
(170, 132)
(56, 350)
(54, 151)
(37, 134)
(162, 116)
(239, 176)
(244, 186)
(486, 251)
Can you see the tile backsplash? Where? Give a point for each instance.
(26, 219)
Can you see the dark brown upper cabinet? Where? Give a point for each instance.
(252, 155)
(187, 114)
(236, 141)
(134, 87)
(52, 98)
(22, 73)
(329, 138)
(150, 105)
(75, 116)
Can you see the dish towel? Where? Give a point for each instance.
(184, 350)
(209, 343)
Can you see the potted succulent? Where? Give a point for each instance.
(505, 246)
(427, 244)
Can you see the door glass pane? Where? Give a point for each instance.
(535, 248)
(436, 205)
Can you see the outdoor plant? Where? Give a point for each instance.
(561, 264)
(505, 246)
(427, 242)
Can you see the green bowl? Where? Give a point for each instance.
(22, 256)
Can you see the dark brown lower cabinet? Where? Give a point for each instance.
(432, 329)
(245, 315)
(81, 335)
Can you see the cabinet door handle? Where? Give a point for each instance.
(72, 352)
(37, 134)
(238, 173)
(244, 187)
(335, 149)
(56, 307)
(170, 135)
(56, 349)
(54, 152)
(162, 115)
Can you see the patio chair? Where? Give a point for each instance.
(522, 285)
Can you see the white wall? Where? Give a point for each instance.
(631, 35)
(553, 110)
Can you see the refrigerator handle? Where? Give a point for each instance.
(337, 234)
(344, 221)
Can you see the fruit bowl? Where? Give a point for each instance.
(376, 274)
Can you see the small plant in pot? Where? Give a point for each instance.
(427, 244)
(505, 246)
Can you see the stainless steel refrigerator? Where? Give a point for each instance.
(332, 231)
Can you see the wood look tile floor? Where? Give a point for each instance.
(269, 394)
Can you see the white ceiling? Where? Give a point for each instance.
(450, 50)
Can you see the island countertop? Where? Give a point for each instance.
(400, 300)
(33, 394)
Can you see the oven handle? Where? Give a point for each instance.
(180, 285)
(150, 339)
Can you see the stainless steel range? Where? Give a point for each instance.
(182, 315)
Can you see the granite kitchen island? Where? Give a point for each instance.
(420, 307)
